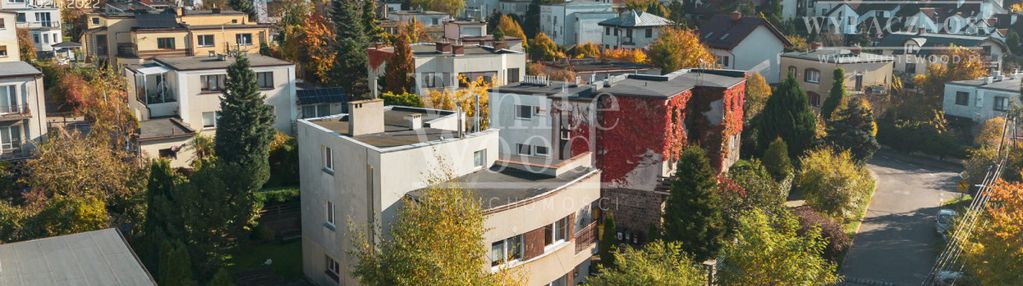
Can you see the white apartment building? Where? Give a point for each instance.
(40, 17)
(22, 105)
(984, 98)
(538, 117)
(632, 30)
(358, 166)
(574, 22)
(176, 98)
(441, 65)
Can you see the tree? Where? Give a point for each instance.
(163, 219)
(677, 14)
(657, 263)
(990, 133)
(175, 265)
(692, 212)
(832, 182)
(400, 68)
(451, 7)
(757, 93)
(243, 6)
(544, 49)
(66, 215)
(854, 130)
(772, 9)
(836, 97)
(283, 161)
(318, 43)
(749, 186)
(587, 50)
(992, 254)
(772, 253)
(374, 33)
(678, 48)
(608, 237)
(813, 221)
(776, 160)
(222, 278)
(1013, 41)
(213, 215)
(350, 63)
(532, 23)
(12, 219)
(788, 115)
(510, 27)
(435, 240)
(245, 127)
(466, 98)
(402, 99)
(26, 49)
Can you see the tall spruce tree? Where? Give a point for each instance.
(677, 13)
(854, 129)
(244, 130)
(608, 237)
(836, 96)
(350, 65)
(175, 265)
(374, 33)
(788, 115)
(163, 217)
(692, 213)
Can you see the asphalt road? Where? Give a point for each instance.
(897, 242)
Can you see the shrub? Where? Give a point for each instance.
(920, 136)
(402, 99)
(283, 161)
(838, 241)
(832, 182)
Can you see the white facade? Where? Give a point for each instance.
(559, 21)
(759, 52)
(443, 70)
(22, 110)
(980, 100)
(41, 17)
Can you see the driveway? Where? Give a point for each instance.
(897, 243)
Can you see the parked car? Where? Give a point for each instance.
(946, 278)
(944, 222)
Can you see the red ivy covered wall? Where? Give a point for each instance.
(630, 126)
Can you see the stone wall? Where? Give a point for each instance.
(633, 210)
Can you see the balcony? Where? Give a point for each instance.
(14, 153)
(15, 112)
(38, 25)
(585, 237)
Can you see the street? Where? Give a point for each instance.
(897, 242)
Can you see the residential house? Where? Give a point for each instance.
(590, 70)
(457, 29)
(984, 98)
(636, 125)
(442, 65)
(177, 98)
(745, 43)
(41, 18)
(865, 73)
(22, 104)
(913, 52)
(358, 167)
(574, 22)
(632, 30)
(126, 36)
(99, 257)
(424, 17)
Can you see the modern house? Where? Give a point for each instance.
(575, 22)
(126, 36)
(984, 98)
(632, 30)
(865, 73)
(442, 65)
(41, 18)
(745, 43)
(918, 50)
(637, 125)
(22, 105)
(177, 98)
(358, 167)
(100, 257)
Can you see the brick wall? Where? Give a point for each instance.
(633, 210)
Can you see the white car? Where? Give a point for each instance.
(944, 221)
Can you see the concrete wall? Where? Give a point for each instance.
(9, 38)
(536, 131)
(981, 105)
(193, 101)
(759, 52)
(455, 65)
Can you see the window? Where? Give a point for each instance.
(584, 217)
(3, 25)
(429, 79)
(168, 153)
(649, 33)
(723, 61)
(814, 98)
(165, 43)
(540, 150)
(44, 20)
(20, 18)
(265, 79)
(524, 149)
(792, 72)
(607, 31)
(209, 119)
(513, 75)
(95, 20)
(9, 100)
(35, 38)
(313, 111)
(205, 41)
(10, 138)
(46, 38)
(243, 39)
(333, 269)
(911, 67)
(213, 82)
(1001, 103)
(523, 112)
(3, 51)
(328, 159)
(479, 158)
(504, 251)
(330, 213)
(963, 98)
(556, 232)
(812, 76)
(616, 31)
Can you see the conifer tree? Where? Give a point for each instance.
(777, 161)
(244, 128)
(788, 115)
(854, 130)
(243, 6)
(175, 265)
(400, 67)
(163, 217)
(692, 213)
(349, 69)
(222, 278)
(608, 237)
(374, 33)
(836, 96)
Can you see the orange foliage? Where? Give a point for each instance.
(319, 46)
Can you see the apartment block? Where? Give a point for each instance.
(22, 105)
(865, 73)
(441, 65)
(358, 166)
(127, 35)
(176, 98)
(41, 18)
(984, 98)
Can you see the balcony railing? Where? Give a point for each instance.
(585, 237)
(38, 24)
(17, 111)
(16, 153)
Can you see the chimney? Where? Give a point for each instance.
(443, 47)
(458, 49)
(365, 117)
(415, 121)
(180, 11)
(736, 16)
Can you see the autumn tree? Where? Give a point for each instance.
(26, 48)
(832, 182)
(788, 115)
(770, 252)
(657, 263)
(350, 62)
(748, 186)
(402, 99)
(400, 68)
(435, 239)
(854, 130)
(836, 96)
(757, 93)
(510, 27)
(992, 254)
(692, 212)
(451, 7)
(319, 45)
(965, 63)
(69, 214)
(678, 48)
(544, 49)
(466, 99)
(587, 50)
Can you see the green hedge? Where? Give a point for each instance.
(919, 136)
(278, 195)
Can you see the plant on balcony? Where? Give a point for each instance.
(692, 213)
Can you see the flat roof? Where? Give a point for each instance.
(94, 258)
(674, 83)
(13, 69)
(501, 185)
(164, 128)
(840, 56)
(396, 130)
(430, 49)
(1006, 84)
(212, 63)
(553, 88)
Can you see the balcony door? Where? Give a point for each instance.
(9, 100)
(10, 139)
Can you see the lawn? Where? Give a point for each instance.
(959, 204)
(287, 257)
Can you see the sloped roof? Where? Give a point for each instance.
(636, 19)
(721, 32)
(91, 258)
